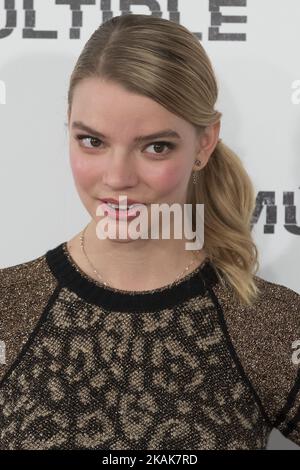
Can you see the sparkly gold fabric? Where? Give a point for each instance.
(180, 367)
(263, 336)
(25, 290)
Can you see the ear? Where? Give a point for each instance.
(206, 144)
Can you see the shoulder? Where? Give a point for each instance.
(277, 309)
(25, 289)
(276, 305)
(277, 292)
(31, 280)
(271, 324)
(266, 338)
(23, 272)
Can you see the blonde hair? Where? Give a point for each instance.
(164, 61)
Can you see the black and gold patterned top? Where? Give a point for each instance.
(88, 366)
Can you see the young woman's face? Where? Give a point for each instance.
(152, 171)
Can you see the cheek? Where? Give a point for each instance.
(169, 178)
(82, 170)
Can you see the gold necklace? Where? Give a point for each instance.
(99, 275)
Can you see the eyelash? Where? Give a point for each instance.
(170, 145)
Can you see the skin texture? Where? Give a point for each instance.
(148, 173)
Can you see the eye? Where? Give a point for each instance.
(95, 142)
(86, 137)
(158, 145)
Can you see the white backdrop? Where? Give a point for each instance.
(253, 48)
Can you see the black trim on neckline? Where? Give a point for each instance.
(70, 275)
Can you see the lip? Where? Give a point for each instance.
(119, 214)
(116, 201)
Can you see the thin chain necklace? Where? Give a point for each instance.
(99, 275)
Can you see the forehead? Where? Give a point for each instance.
(108, 106)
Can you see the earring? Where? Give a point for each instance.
(195, 173)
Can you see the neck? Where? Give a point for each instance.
(134, 264)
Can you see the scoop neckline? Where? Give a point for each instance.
(70, 275)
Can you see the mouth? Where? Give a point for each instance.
(120, 206)
(120, 211)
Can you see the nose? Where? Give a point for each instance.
(121, 171)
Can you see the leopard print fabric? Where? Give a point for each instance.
(158, 371)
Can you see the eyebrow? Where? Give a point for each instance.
(141, 138)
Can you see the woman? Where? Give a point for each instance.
(140, 343)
